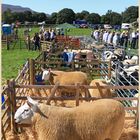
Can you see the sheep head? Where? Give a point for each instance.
(25, 113)
(48, 75)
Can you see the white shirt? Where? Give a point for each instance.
(133, 35)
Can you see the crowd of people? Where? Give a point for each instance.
(45, 35)
(115, 38)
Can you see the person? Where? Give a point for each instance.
(122, 38)
(37, 41)
(116, 39)
(47, 35)
(52, 35)
(126, 39)
(16, 33)
(62, 31)
(137, 38)
(133, 42)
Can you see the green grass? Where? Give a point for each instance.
(79, 32)
(13, 60)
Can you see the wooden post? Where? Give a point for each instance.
(7, 42)
(31, 71)
(3, 134)
(137, 114)
(11, 86)
(52, 93)
(99, 88)
(29, 43)
(72, 63)
(77, 94)
(44, 58)
(109, 69)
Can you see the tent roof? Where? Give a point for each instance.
(65, 25)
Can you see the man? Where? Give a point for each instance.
(37, 41)
(133, 43)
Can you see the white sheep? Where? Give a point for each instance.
(105, 92)
(133, 60)
(66, 78)
(100, 120)
(135, 102)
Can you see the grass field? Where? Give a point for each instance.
(13, 60)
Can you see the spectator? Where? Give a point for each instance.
(137, 38)
(122, 38)
(62, 31)
(36, 41)
(58, 31)
(52, 35)
(47, 35)
(116, 39)
(133, 42)
(126, 39)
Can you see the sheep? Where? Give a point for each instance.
(97, 93)
(99, 120)
(135, 102)
(66, 78)
(133, 60)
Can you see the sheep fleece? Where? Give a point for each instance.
(96, 93)
(98, 120)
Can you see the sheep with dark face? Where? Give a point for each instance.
(100, 120)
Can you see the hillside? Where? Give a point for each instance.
(15, 8)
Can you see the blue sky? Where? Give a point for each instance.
(93, 6)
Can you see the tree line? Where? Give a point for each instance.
(68, 15)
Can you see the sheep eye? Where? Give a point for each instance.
(26, 110)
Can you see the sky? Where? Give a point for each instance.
(92, 6)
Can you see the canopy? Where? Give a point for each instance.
(65, 26)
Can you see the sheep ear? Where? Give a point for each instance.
(32, 104)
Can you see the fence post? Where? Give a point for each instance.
(109, 69)
(11, 86)
(77, 94)
(32, 71)
(99, 88)
(44, 58)
(29, 43)
(137, 114)
(52, 93)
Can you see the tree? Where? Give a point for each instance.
(41, 17)
(130, 14)
(79, 16)
(53, 18)
(65, 15)
(7, 16)
(112, 18)
(85, 14)
(28, 15)
(93, 18)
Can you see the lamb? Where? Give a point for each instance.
(66, 78)
(99, 120)
(97, 93)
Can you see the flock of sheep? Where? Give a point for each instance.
(102, 119)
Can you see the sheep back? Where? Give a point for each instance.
(96, 92)
(98, 120)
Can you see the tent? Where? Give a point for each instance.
(65, 26)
